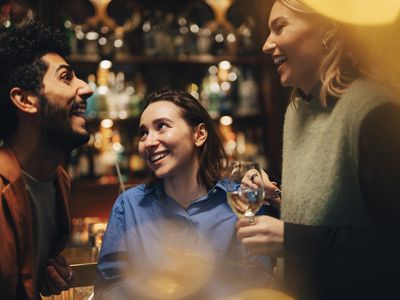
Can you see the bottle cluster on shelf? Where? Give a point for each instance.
(202, 47)
(223, 89)
(165, 33)
(114, 96)
(228, 90)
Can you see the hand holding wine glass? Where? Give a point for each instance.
(272, 194)
(244, 196)
(245, 199)
(247, 188)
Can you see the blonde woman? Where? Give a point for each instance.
(339, 226)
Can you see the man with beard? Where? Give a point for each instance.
(42, 104)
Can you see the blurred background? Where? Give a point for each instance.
(128, 48)
(210, 48)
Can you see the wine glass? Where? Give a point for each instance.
(244, 196)
(245, 199)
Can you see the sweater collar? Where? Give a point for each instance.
(313, 96)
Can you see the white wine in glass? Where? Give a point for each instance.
(244, 197)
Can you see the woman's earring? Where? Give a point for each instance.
(325, 44)
(351, 59)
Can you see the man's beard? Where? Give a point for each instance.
(57, 129)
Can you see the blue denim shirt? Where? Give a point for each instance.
(145, 222)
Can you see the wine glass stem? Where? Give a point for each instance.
(251, 219)
(250, 215)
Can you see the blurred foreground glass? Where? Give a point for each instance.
(260, 294)
(181, 266)
(77, 293)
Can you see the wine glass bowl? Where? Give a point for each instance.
(244, 196)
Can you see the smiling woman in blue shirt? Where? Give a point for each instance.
(174, 236)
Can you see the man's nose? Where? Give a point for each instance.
(84, 90)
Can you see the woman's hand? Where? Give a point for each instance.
(263, 237)
(272, 195)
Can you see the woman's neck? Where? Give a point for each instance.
(184, 188)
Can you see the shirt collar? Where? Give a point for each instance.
(158, 190)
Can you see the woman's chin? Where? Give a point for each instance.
(159, 173)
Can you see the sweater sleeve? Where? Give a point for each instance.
(379, 168)
(379, 176)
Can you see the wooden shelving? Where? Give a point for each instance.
(184, 59)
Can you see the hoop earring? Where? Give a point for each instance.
(351, 59)
(325, 44)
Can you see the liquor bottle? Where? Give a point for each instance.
(92, 101)
(248, 94)
(147, 34)
(102, 90)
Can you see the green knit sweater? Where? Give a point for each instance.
(320, 181)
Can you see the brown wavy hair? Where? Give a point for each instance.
(211, 154)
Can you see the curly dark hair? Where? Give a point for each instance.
(21, 50)
(212, 155)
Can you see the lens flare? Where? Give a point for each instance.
(182, 264)
(377, 48)
(260, 294)
(358, 12)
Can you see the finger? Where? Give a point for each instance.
(243, 222)
(64, 270)
(255, 247)
(271, 190)
(266, 202)
(244, 184)
(61, 260)
(249, 231)
(250, 185)
(57, 275)
(52, 286)
(44, 290)
(254, 176)
(243, 233)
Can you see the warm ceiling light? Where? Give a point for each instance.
(226, 120)
(107, 123)
(358, 12)
(105, 64)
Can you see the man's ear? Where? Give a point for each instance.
(24, 101)
(200, 134)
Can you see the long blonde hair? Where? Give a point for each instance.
(338, 68)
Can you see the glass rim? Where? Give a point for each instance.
(242, 162)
